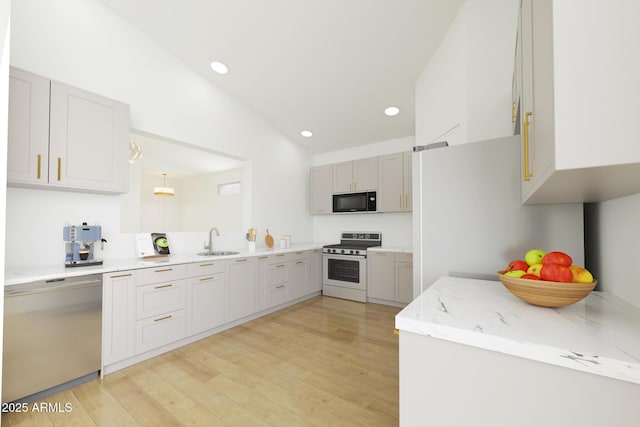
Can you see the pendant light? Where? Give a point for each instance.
(164, 190)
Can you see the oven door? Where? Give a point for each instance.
(344, 271)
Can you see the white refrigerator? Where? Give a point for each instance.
(468, 218)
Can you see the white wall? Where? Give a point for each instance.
(395, 227)
(466, 86)
(614, 233)
(5, 12)
(82, 43)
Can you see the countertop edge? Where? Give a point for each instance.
(408, 320)
(555, 356)
(29, 274)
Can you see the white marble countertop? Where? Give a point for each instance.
(389, 249)
(599, 335)
(31, 274)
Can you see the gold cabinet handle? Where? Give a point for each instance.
(163, 286)
(279, 286)
(120, 275)
(204, 279)
(162, 318)
(39, 164)
(527, 174)
(163, 270)
(209, 264)
(59, 167)
(241, 260)
(513, 111)
(279, 265)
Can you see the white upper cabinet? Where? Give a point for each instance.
(358, 175)
(28, 148)
(394, 183)
(65, 138)
(579, 108)
(321, 190)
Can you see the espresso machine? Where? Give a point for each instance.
(80, 241)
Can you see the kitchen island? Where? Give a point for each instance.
(473, 354)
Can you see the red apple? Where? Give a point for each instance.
(530, 277)
(557, 258)
(556, 273)
(517, 264)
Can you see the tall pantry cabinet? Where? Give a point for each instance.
(61, 137)
(576, 73)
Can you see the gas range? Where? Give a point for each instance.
(354, 244)
(344, 265)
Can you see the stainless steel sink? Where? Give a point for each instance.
(218, 253)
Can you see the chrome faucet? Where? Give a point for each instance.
(210, 247)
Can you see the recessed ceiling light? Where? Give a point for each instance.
(219, 67)
(306, 133)
(392, 111)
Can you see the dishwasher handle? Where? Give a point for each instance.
(51, 285)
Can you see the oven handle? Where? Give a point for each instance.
(345, 257)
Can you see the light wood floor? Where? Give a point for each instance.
(324, 361)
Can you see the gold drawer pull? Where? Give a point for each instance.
(279, 286)
(396, 332)
(39, 164)
(209, 264)
(280, 254)
(299, 262)
(241, 260)
(163, 270)
(163, 286)
(59, 167)
(120, 275)
(263, 257)
(206, 278)
(279, 265)
(162, 318)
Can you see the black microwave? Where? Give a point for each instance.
(355, 202)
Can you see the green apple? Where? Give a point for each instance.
(515, 273)
(534, 256)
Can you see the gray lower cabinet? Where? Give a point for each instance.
(390, 277)
(242, 288)
(151, 310)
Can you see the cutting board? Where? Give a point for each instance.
(268, 240)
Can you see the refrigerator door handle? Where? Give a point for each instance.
(441, 144)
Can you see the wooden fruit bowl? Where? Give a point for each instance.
(544, 293)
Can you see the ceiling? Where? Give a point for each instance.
(329, 66)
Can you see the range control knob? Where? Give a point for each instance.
(357, 252)
(342, 251)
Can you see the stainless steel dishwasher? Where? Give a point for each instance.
(52, 334)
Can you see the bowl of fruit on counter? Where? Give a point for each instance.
(547, 279)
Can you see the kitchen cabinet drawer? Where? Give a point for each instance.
(163, 273)
(159, 298)
(277, 273)
(276, 294)
(159, 330)
(205, 268)
(404, 257)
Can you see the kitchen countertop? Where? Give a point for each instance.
(599, 335)
(390, 249)
(31, 274)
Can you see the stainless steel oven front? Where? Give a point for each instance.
(345, 276)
